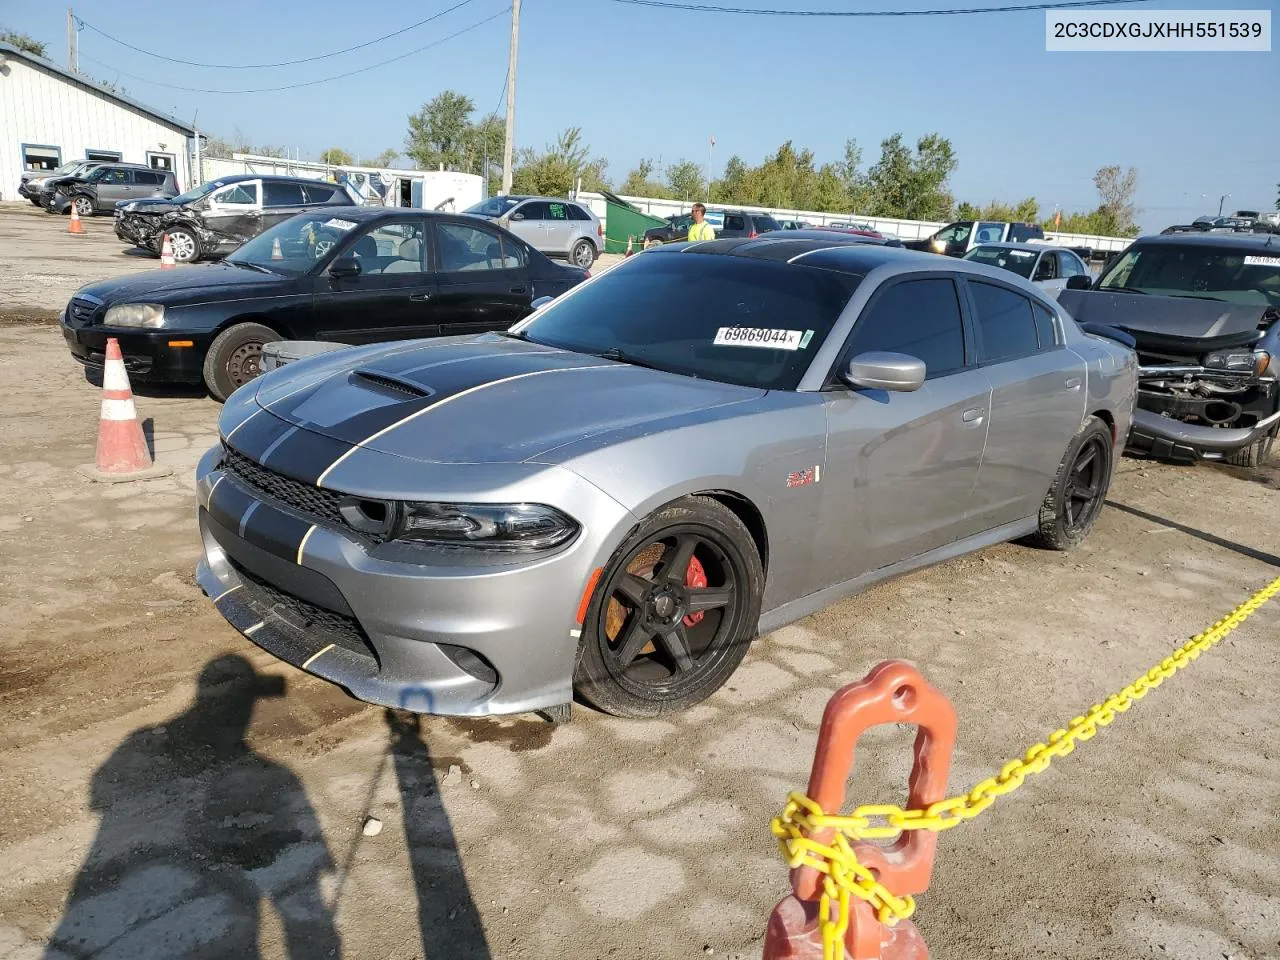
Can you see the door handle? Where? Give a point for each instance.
(1073, 383)
(519, 289)
(972, 415)
(419, 297)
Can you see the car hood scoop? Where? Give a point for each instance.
(485, 399)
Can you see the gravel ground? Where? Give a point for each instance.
(161, 798)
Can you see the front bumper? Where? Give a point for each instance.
(1188, 442)
(55, 202)
(147, 353)
(137, 230)
(445, 637)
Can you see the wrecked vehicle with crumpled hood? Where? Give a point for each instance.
(216, 217)
(1204, 311)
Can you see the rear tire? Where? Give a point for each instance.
(583, 254)
(1254, 455)
(646, 649)
(235, 358)
(1079, 489)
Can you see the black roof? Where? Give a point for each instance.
(272, 178)
(832, 253)
(1227, 241)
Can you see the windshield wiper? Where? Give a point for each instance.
(250, 266)
(1195, 296)
(613, 353)
(1121, 290)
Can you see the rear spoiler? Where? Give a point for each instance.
(1110, 333)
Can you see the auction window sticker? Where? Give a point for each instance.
(339, 224)
(1262, 261)
(766, 337)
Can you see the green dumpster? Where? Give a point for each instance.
(624, 222)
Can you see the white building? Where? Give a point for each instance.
(49, 116)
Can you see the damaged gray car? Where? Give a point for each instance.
(216, 217)
(1204, 310)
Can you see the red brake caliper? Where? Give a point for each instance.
(695, 577)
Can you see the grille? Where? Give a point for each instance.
(342, 630)
(305, 497)
(82, 311)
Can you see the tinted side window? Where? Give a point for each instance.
(577, 213)
(734, 222)
(535, 211)
(239, 193)
(318, 193)
(114, 175)
(765, 224)
(920, 318)
(464, 247)
(1046, 329)
(1006, 328)
(557, 211)
(146, 178)
(282, 194)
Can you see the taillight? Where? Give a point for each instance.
(752, 235)
(600, 230)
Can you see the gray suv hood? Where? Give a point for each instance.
(485, 399)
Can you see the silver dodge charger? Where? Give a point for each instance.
(616, 496)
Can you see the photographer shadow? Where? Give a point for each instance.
(198, 831)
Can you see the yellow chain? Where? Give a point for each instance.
(844, 876)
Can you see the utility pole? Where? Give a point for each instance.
(73, 45)
(508, 150)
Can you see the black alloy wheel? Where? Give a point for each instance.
(1079, 489)
(673, 614)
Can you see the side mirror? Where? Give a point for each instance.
(541, 302)
(1079, 282)
(347, 266)
(877, 370)
(517, 216)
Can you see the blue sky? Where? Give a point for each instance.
(645, 82)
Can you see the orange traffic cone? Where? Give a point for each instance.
(166, 254)
(276, 253)
(122, 447)
(75, 226)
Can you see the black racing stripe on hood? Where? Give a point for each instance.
(445, 380)
(255, 435)
(276, 532)
(304, 455)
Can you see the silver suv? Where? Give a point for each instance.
(551, 225)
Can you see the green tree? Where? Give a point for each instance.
(385, 158)
(910, 185)
(967, 211)
(640, 183)
(336, 157)
(440, 132)
(555, 170)
(1116, 189)
(685, 180)
(24, 42)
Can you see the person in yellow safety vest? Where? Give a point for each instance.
(700, 229)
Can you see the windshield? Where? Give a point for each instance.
(750, 322)
(295, 246)
(1250, 278)
(493, 207)
(195, 193)
(1018, 261)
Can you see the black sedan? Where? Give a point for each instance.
(350, 275)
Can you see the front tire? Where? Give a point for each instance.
(83, 206)
(235, 358)
(583, 254)
(673, 614)
(1079, 489)
(1254, 455)
(185, 244)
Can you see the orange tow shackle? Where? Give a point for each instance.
(893, 692)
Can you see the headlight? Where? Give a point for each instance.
(504, 526)
(135, 315)
(1249, 362)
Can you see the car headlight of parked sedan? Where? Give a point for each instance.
(142, 315)
(509, 526)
